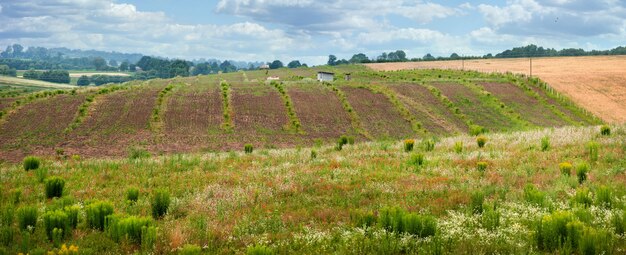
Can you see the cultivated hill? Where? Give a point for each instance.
(226, 111)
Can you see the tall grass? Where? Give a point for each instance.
(27, 217)
(96, 213)
(31, 163)
(160, 203)
(54, 186)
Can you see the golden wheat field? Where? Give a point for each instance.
(596, 83)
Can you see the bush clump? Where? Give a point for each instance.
(72, 215)
(408, 145)
(476, 130)
(132, 194)
(417, 159)
(27, 217)
(428, 145)
(343, 140)
(54, 186)
(248, 148)
(477, 200)
(398, 221)
(96, 214)
(566, 168)
(56, 224)
(160, 203)
(582, 171)
(582, 197)
(458, 147)
(534, 196)
(561, 231)
(592, 149)
(481, 141)
(604, 197)
(481, 166)
(148, 238)
(129, 228)
(545, 143)
(605, 130)
(259, 250)
(31, 163)
(190, 249)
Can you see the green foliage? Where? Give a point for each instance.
(129, 228)
(605, 130)
(490, 217)
(96, 214)
(592, 149)
(481, 141)
(132, 194)
(618, 222)
(398, 221)
(190, 249)
(259, 250)
(417, 160)
(31, 163)
(476, 130)
(477, 200)
(138, 153)
(408, 145)
(534, 196)
(363, 218)
(604, 197)
(83, 81)
(582, 170)
(148, 238)
(552, 231)
(6, 237)
(582, 197)
(481, 166)
(343, 140)
(565, 168)
(72, 215)
(313, 154)
(41, 174)
(428, 144)
(56, 224)
(27, 217)
(458, 147)
(545, 143)
(7, 214)
(160, 203)
(54, 186)
(247, 148)
(227, 110)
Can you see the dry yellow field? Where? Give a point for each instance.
(596, 83)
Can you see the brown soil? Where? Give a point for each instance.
(116, 122)
(558, 105)
(378, 115)
(6, 102)
(528, 107)
(320, 112)
(433, 114)
(38, 126)
(596, 83)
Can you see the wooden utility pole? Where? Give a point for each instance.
(463, 63)
(531, 67)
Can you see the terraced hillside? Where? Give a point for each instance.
(225, 111)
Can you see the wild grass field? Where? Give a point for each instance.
(546, 191)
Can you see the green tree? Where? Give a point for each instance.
(276, 64)
(455, 56)
(332, 60)
(5, 70)
(294, 64)
(359, 58)
(124, 66)
(113, 63)
(99, 63)
(428, 57)
(83, 81)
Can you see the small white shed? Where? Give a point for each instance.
(325, 76)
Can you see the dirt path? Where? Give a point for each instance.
(598, 84)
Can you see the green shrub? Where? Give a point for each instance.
(31, 163)
(545, 143)
(476, 202)
(72, 215)
(582, 197)
(428, 145)
(160, 203)
(313, 154)
(7, 214)
(594, 241)
(96, 214)
(582, 170)
(534, 196)
(481, 141)
(476, 130)
(259, 250)
(132, 194)
(408, 145)
(6, 237)
(27, 217)
(248, 148)
(41, 174)
(148, 238)
(490, 217)
(138, 153)
(362, 218)
(592, 149)
(351, 140)
(57, 224)
(129, 228)
(618, 222)
(417, 159)
(552, 230)
(190, 249)
(566, 168)
(398, 221)
(54, 186)
(458, 147)
(605, 130)
(16, 195)
(604, 197)
(481, 166)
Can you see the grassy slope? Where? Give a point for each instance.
(255, 111)
(292, 203)
(33, 83)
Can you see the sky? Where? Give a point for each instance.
(310, 30)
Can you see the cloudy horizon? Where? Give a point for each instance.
(307, 30)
